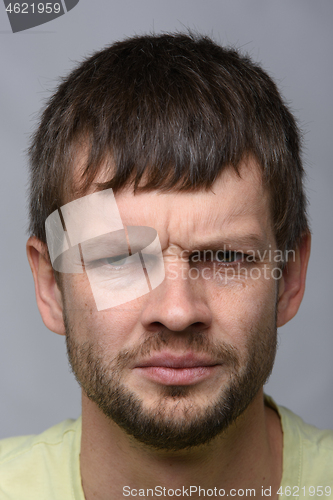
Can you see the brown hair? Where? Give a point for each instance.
(171, 110)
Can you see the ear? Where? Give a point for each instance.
(292, 283)
(48, 295)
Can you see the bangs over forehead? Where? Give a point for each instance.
(171, 111)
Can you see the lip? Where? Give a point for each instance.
(168, 369)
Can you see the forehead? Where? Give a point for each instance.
(235, 206)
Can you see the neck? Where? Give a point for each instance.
(247, 455)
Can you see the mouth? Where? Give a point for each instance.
(168, 369)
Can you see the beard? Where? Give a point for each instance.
(175, 421)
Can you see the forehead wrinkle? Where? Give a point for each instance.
(236, 222)
(251, 216)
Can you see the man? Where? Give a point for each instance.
(169, 240)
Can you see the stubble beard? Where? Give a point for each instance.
(175, 422)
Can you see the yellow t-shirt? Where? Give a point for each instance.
(307, 458)
(47, 466)
(43, 467)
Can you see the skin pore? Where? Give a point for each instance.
(217, 333)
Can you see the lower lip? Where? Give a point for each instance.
(177, 376)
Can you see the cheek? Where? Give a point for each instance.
(77, 293)
(244, 308)
(111, 328)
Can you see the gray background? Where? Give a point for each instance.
(293, 41)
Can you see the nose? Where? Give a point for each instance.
(177, 304)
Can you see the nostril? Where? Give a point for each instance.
(156, 326)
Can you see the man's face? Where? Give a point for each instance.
(176, 366)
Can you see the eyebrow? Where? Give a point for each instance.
(113, 243)
(104, 246)
(241, 243)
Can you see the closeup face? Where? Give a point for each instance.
(177, 365)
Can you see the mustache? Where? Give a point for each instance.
(197, 342)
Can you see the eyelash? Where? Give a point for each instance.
(111, 263)
(231, 257)
(120, 258)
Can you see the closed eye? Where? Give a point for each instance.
(228, 256)
(219, 256)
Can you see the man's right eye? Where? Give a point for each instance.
(118, 260)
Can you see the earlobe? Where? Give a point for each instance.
(292, 283)
(48, 295)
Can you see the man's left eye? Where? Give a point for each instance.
(229, 256)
